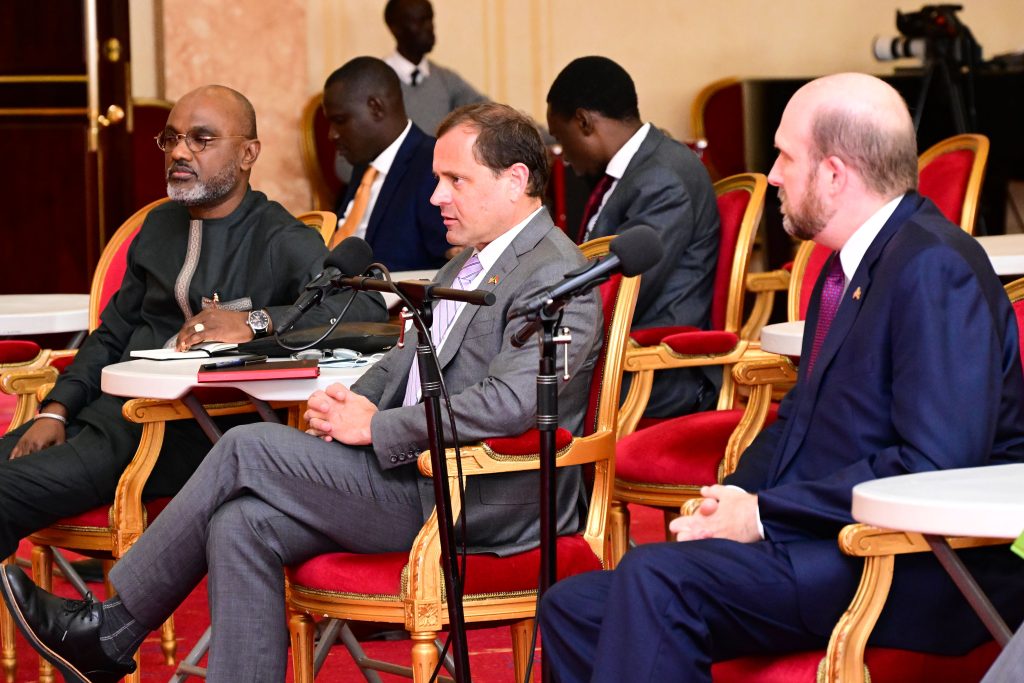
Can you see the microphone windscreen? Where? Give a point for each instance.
(638, 249)
(352, 256)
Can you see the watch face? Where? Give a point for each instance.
(259, 321)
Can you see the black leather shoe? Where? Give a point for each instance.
(65, 632)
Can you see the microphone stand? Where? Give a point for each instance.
(421, 295)
(547, 424)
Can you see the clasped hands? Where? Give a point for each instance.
(339, 414)
(726, 512)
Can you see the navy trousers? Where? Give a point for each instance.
(671, 609)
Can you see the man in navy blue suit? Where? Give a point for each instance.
(388, 201)
(910, 363)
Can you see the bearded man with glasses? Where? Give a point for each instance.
(219, 262)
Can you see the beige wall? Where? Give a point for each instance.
(280, 52)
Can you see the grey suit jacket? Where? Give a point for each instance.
(493, 388)
(666, 187)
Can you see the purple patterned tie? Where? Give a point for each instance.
(831, 295)
(444, 315)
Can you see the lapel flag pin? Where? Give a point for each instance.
(856, 294)
(492, 280)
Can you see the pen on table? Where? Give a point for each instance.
(234, 362)
(216, 299)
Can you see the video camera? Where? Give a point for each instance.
(934, 31)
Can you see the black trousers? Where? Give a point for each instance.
(82, 473)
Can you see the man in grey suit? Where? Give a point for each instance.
(268, 496)
(643, 177)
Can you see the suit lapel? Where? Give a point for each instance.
(392, 181)
(850, 307)
(609, 218)
(494, 280)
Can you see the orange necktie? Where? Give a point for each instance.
(359, 202)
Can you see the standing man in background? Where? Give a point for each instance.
(430, 91)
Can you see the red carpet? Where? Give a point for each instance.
(490, 649)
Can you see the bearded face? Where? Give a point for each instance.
(806, 216)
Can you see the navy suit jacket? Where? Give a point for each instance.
(920, 371)
(405, 230)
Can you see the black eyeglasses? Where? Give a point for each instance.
(196, 142)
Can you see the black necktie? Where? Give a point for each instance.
(415, 77)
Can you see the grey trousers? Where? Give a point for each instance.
(265, 497)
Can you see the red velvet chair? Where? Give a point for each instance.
(318, 156)
(717, 120)
(951, 172)
(645, 460)
(406, 588)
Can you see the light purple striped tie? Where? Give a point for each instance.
(444, 315)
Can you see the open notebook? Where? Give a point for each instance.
(204, 350)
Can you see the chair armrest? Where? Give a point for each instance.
(844, 660)
(772, 281)
(28, 386)
(764, 287)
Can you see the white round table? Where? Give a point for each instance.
(23, 314)
(1006, 252)
(981, 502)
(974, 501)
(783, 338)
(173, 379)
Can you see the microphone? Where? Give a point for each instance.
(352, 257)
(633, 252)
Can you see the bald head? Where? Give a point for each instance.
(233, 103)
(865, 122)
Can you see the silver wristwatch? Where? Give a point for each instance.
(259, 322)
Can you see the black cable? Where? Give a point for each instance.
(331, 328)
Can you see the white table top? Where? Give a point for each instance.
(783, 338)
(43, 313)
(1006, 252)
(977, 501)
(172, 379)
(392, 299)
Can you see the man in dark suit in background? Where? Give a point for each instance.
(906, 321)
(643, 178)
(388, 201)
(270, 495)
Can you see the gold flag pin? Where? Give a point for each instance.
(492, 280)
(856, 294)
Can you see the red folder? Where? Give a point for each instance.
(289, 369)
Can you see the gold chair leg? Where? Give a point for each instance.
(618, 529)
(135, 676)
(42, 574)
(169, 641)
(9, 657)
(424, 655)
(302, 630)
(522, 635)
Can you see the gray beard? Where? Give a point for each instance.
(201, 193)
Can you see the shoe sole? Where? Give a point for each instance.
(65, 667)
